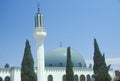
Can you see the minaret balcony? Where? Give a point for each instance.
(40, 30)
(39, 33)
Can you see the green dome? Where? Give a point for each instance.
(57, 58)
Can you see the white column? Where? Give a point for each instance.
(40, 60)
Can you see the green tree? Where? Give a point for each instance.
(97, 57)
(101, 70)
(27, 69)
(69, 67)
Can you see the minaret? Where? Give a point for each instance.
(39, 34)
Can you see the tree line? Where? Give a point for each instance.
(101, 70)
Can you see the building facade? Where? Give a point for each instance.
(52, 65)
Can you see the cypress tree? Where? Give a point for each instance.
(101, 70)
(27, 69)
(69, 67)
(97, 57)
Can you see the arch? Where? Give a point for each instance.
(76, 78)
(88, 78)
(7, 78)
(1, 79)
(82, 78)
(50, 78)
(64, 77)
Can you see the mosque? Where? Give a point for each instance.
(52, 65)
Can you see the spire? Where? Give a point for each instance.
(38, 17)
(38, 5)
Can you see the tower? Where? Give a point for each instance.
(39, 35)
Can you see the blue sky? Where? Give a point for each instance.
(75, 23)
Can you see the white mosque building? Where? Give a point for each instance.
(52, 65)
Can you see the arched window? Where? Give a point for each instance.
(88, 78)
(76, 78)
(50, 78)
(82, 78)
(7, 78)
(64, 77)
(1, 79)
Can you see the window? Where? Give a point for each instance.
(88, 78)
(50, 78)
(1, 79)
(82, 78)
(7, 78)
(76, 78)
